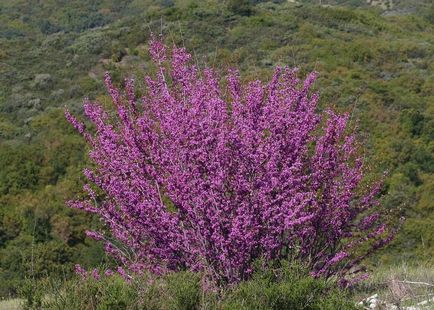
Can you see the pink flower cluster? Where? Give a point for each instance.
(211, 174)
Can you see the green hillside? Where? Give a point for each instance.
(378, 66)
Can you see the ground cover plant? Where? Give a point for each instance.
(286, 287)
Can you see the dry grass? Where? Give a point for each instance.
(402, 286)
(11, 304)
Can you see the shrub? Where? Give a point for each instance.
(32, 294)
(210, 178)
(288, 287)
(106, 293)
(240, 7)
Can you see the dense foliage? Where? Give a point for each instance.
(377, 66)
(212, 179)
(288, 287)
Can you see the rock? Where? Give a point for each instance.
(129, 61)
(399, 12)
(384, 4)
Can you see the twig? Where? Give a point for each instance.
(417, 283)
(417, 296)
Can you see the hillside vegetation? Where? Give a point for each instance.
(379, 67)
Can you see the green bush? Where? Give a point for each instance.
(32, 293)
(287, 287)
(240, 7)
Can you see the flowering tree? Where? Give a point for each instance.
(210, 176)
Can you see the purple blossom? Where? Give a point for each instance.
(108, 273)
(94, 235)
(124, 274)
(212, 176)
(80, 271)
(95, 274)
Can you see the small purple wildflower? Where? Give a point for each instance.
(80, 271)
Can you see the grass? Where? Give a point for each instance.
(286, 287)
(11, 304)
(290, 288)
(403, 286)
